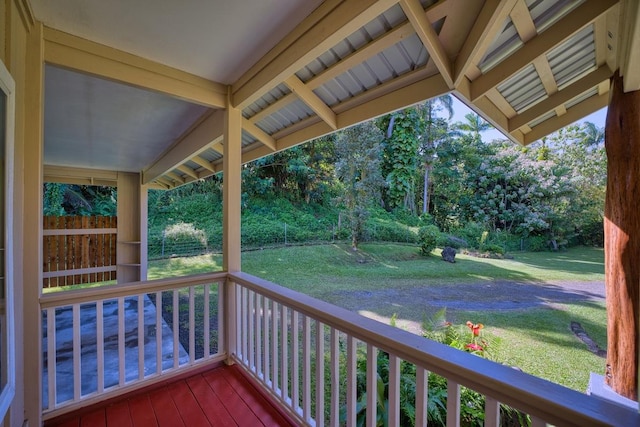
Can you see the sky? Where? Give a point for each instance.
(459, 111)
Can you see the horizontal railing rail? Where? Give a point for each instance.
(281, 336)
(103, 342)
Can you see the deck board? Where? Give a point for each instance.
(221, 396)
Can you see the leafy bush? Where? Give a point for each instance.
(471, 233)
(180, 235)
(538, 244)
(452, 241)
(428, 237)
(493, 249)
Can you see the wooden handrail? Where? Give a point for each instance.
(127, 289)
(551, 402)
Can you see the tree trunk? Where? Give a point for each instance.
(425, 192)
(622, 239)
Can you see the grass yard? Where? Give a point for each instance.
(537, 340)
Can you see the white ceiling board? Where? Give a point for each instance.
(215, 39)
(95, 123)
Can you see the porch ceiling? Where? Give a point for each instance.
(529, 67)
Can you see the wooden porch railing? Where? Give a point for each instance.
(302, 351)
(280, 334)
(99, 343)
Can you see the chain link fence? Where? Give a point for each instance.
(183, 240)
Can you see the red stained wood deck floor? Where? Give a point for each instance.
(219, 397)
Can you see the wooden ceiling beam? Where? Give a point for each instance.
(204, 163)
(418, 18)
(196, 140)
(311, 38)
(371, 49)
(400, 97)
(68, 51)
(173, 177)
(312, 100)
(572, 115)
(523, 22)
(570, 24)
(259, 134)
(482, 34)
(559, 98)
(187, 171)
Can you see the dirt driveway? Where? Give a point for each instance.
(411, 305)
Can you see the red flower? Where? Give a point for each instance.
(475, 328)
(474, 347)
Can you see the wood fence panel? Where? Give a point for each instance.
(76, 246)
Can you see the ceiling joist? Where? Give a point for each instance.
(322, 33)
(197, 140)
(259, 134)
(573, 22)
(312, 100)
(418, 18)
(484, 30)
(570, 92)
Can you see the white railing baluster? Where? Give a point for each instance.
(158, 333)
(275, 309)
(394, 391)
(100, 345)
(422, 378)
(206, 322)
(245, 328)
(176, 329)
(192, 324)
(252, 330)
(77, 373)
(266, 367)
(242, 330)
(319, 374)
(372, 385)
(352, 386)
(121, 336)
(306, 368)
(453, 403)
(491, 412)
(224, 326)
(52, 375)
(295, 360)
(335, 377)
(140, 337)
(284, 346)
(258, 320)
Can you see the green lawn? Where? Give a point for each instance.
(539, 340)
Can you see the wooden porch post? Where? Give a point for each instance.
(622, 239)
(231, 193)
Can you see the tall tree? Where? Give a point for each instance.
(402, 132)
(473, 125)
(358, 151)
(435, 129)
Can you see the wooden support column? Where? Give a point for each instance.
(622, 239)
(231, 198)
(129, 225)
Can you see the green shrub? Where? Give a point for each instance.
(184, 239)
(493, 249)
(428, 237)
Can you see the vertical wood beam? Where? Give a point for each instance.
(129, 218)
(622, 239)
(29, 240)
(231, 190)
